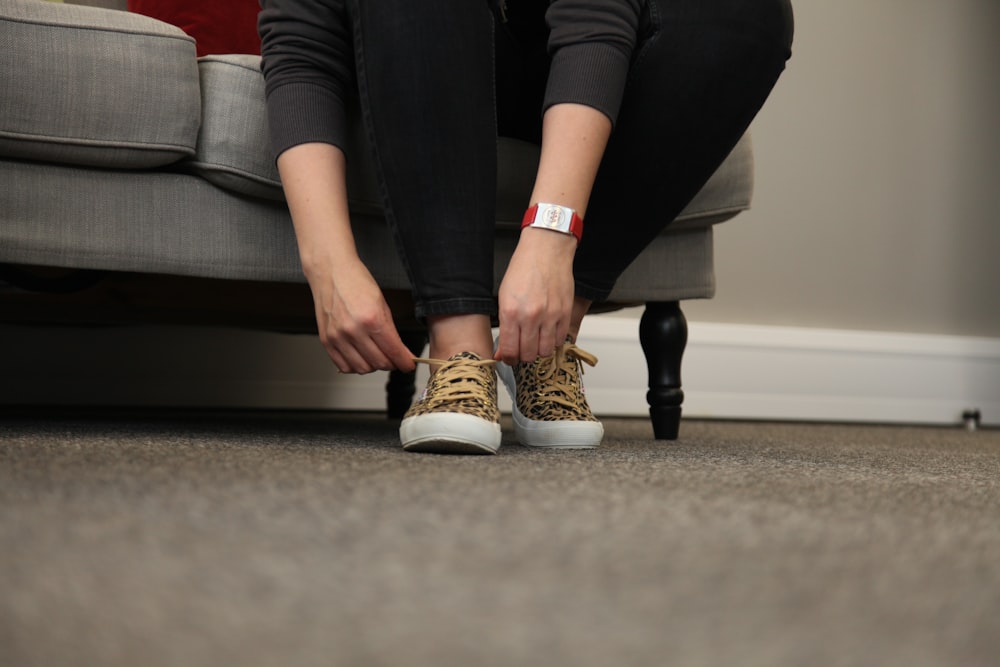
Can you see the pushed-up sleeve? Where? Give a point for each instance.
(308, 66)
(591, 43)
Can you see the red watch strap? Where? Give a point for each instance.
(575, 222)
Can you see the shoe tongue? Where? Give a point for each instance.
(471, 356)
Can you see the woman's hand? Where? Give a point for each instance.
(355, 324)
(537, 292)
(354, 320)
(536, 296)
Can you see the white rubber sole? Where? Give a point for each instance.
(550, 435)
(449, 433)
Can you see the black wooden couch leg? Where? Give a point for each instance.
(663, 336)
(400, 387)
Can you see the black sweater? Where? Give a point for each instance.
(308, 79)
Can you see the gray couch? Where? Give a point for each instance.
(136, 186)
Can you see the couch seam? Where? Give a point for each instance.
(92, 143)
(230, 169)
(184, 37)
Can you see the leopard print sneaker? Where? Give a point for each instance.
(550, 408)
(457, 412)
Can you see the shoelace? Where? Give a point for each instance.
(456, 379)
(566, 358)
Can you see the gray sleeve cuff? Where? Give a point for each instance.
(300, 113)
(593, 74)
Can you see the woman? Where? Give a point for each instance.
(636, 103)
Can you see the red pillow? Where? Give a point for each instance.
(218, 26)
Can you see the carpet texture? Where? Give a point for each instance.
(291, 539)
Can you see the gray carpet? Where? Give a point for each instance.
(235, 539)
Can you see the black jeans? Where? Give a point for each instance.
(439, 79)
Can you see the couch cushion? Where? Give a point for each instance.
(95, 87)
(727, 192)
(233, 150)
(234, 153)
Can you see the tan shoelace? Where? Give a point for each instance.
(566, 358)
(456, 379)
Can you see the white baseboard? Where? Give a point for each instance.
(786, 373)
(729, 372)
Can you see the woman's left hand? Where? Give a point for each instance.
(536, 296)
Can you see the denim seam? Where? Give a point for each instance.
(656, 26)
(365, 105)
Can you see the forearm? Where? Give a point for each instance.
(574, 137)
(314, 179)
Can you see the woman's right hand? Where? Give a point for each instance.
(354, 321)
(355, 324)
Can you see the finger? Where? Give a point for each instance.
(547, 339)
(358, 364)
(354, 360)
(507, 344)
(395, 352)
(402, 359)
(363, 340)
(388, 350)
(337, 358)
(327, 340)
(373, 355)
(529, 344)
(360, 340)
(562, 331)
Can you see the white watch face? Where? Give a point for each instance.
(554, 217)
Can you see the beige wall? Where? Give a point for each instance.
(877, 205)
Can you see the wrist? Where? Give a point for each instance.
(554, 218)
(324, 265)
(549, 246)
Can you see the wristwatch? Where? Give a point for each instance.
(554, 217)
